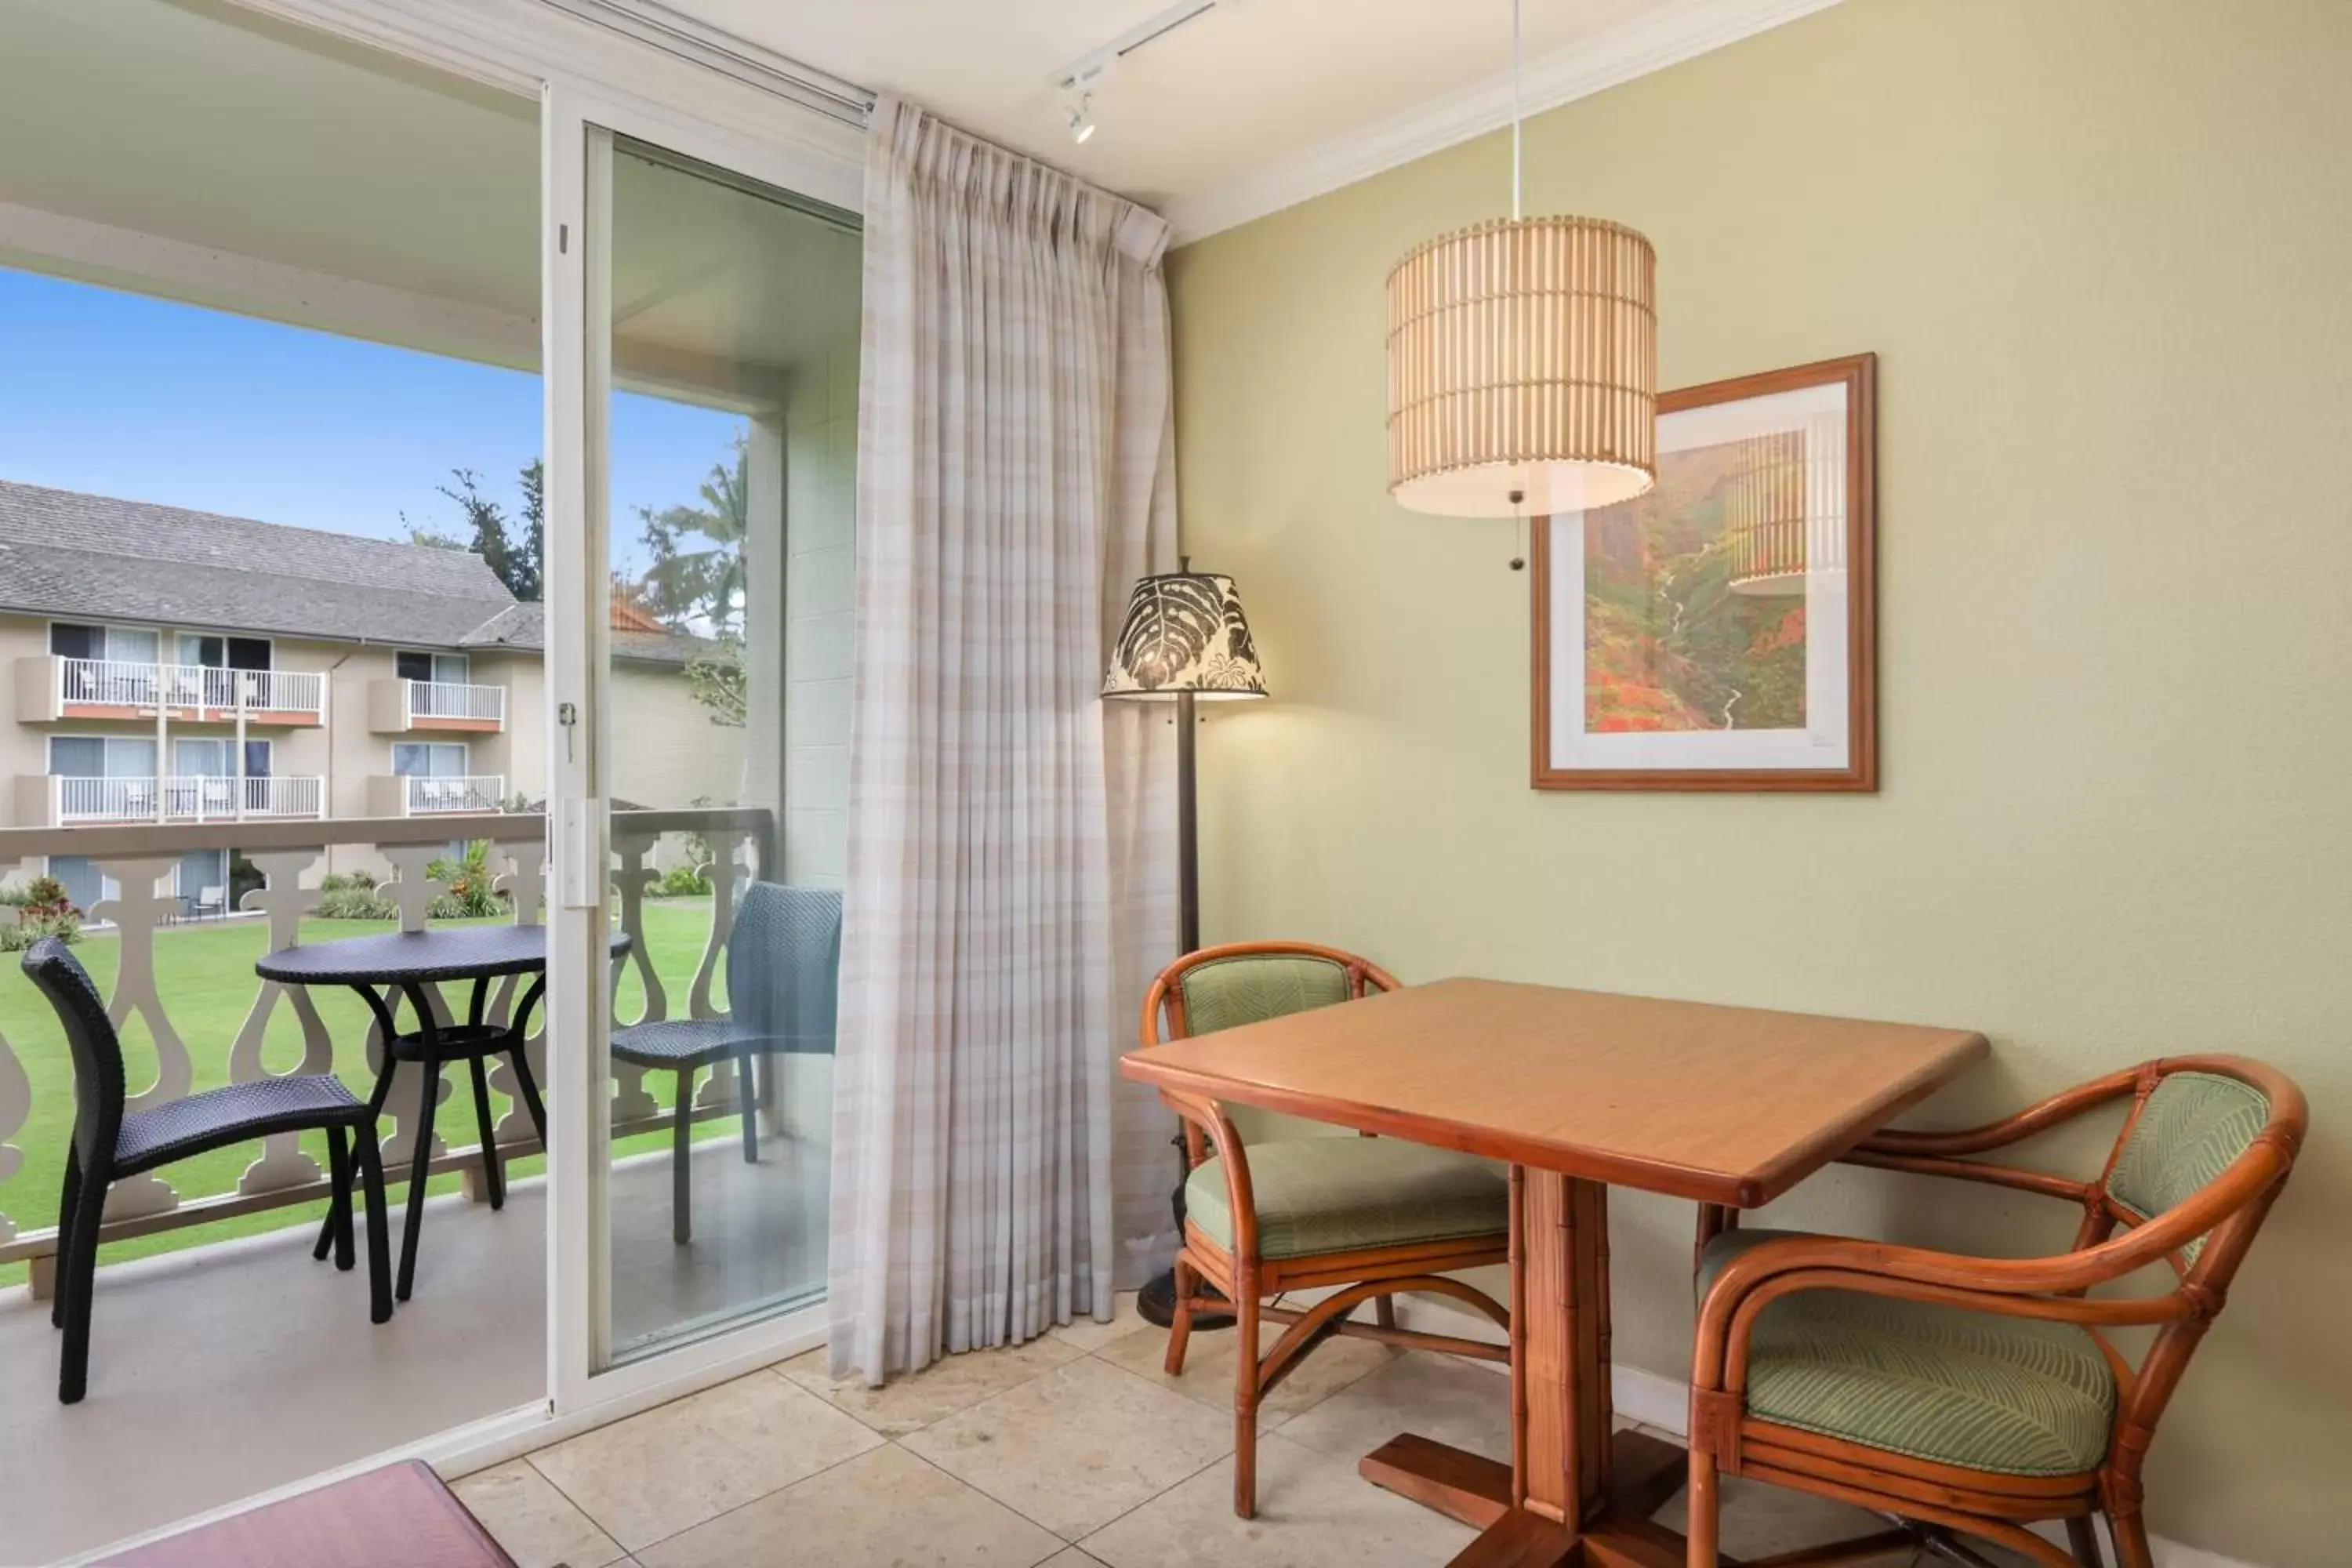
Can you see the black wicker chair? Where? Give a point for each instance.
(783, 959)
(110, 1142)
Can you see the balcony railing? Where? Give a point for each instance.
(422, 796)
(183, 798)
(140, 860)
(119, 683)
(451, 699)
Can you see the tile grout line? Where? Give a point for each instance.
(1062, 1542)
(573, 1503)
(630, 1552)
(888, 1441)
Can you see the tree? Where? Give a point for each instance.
(696, 580)
(512, 549)
(715, 678)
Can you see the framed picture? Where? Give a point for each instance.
(1718, 633)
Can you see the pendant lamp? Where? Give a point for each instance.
(1523, 363)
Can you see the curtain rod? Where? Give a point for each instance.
(651, 23)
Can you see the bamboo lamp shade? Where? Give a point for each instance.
(1523, 357)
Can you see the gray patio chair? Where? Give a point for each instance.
(110, 1142)
(783, 964)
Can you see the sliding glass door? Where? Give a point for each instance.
(701, 504)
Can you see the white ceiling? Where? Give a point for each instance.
(1251, 105)
(190, 148)
(194, 148)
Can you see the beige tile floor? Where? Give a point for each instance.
(1073, 1451)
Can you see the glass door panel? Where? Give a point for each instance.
(721, 326)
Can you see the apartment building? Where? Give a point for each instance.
(174, 665)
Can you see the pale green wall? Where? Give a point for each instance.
(2104, 251)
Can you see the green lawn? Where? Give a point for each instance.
(205, 975)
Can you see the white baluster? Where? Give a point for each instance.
(411, 894)
(720, 872)
(719, 1089)
(524, 883)
(15, 1106)
(631, 1099)
(286, 902)
(630, 882)
(138, 910)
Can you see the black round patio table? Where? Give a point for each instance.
(407, 962)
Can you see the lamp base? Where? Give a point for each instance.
(1156, 1305)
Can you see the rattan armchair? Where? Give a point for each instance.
(1364, 1218)
(1979, 1395)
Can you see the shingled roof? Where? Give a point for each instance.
(88, 557)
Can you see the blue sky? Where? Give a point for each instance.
(124, 395)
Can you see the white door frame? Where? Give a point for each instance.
(576, 170)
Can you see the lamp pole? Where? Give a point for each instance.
(1188, 831)
(1184, 634)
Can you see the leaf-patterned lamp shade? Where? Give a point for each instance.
(1184, 632)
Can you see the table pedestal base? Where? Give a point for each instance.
(1576, 1492)
(1644, 1473)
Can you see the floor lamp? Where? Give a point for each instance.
(1185, 640)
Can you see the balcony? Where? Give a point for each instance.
(51, 688)
(412, 795)
(404, 707)
(236, 1319)
(68, 802)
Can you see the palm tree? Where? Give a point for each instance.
(697, 577)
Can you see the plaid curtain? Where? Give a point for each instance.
(1011, 881)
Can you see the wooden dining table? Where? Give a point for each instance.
(1579, 1091)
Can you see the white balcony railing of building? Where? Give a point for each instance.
(474, 791)
(185, 799)
(118, 683)
(454, 700)
(736, 843)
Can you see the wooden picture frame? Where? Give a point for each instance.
(1772, 511)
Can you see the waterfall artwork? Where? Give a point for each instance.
(1680, 631)
(1716, 632)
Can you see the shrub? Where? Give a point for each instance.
(42, 897)
(470, 894)
(65, 925)
(348, 900)
(681, 882)
(347, 881)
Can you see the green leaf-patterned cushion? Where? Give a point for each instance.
(1316, 1195)
(1249, 988)
(2193, 1125)
(1943, 1384)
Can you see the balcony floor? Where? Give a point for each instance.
(220, 1371)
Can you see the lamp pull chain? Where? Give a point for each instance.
(1520, 528)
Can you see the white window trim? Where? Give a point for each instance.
(49, 752)
(165, 636)
(434, 656)
(392, 758)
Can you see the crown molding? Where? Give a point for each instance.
(1651, 42)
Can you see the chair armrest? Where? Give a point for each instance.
(1726, 1324)
(2021, 1287)
(2047, 1185)
(1210, 1118)
(2059, 1108)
